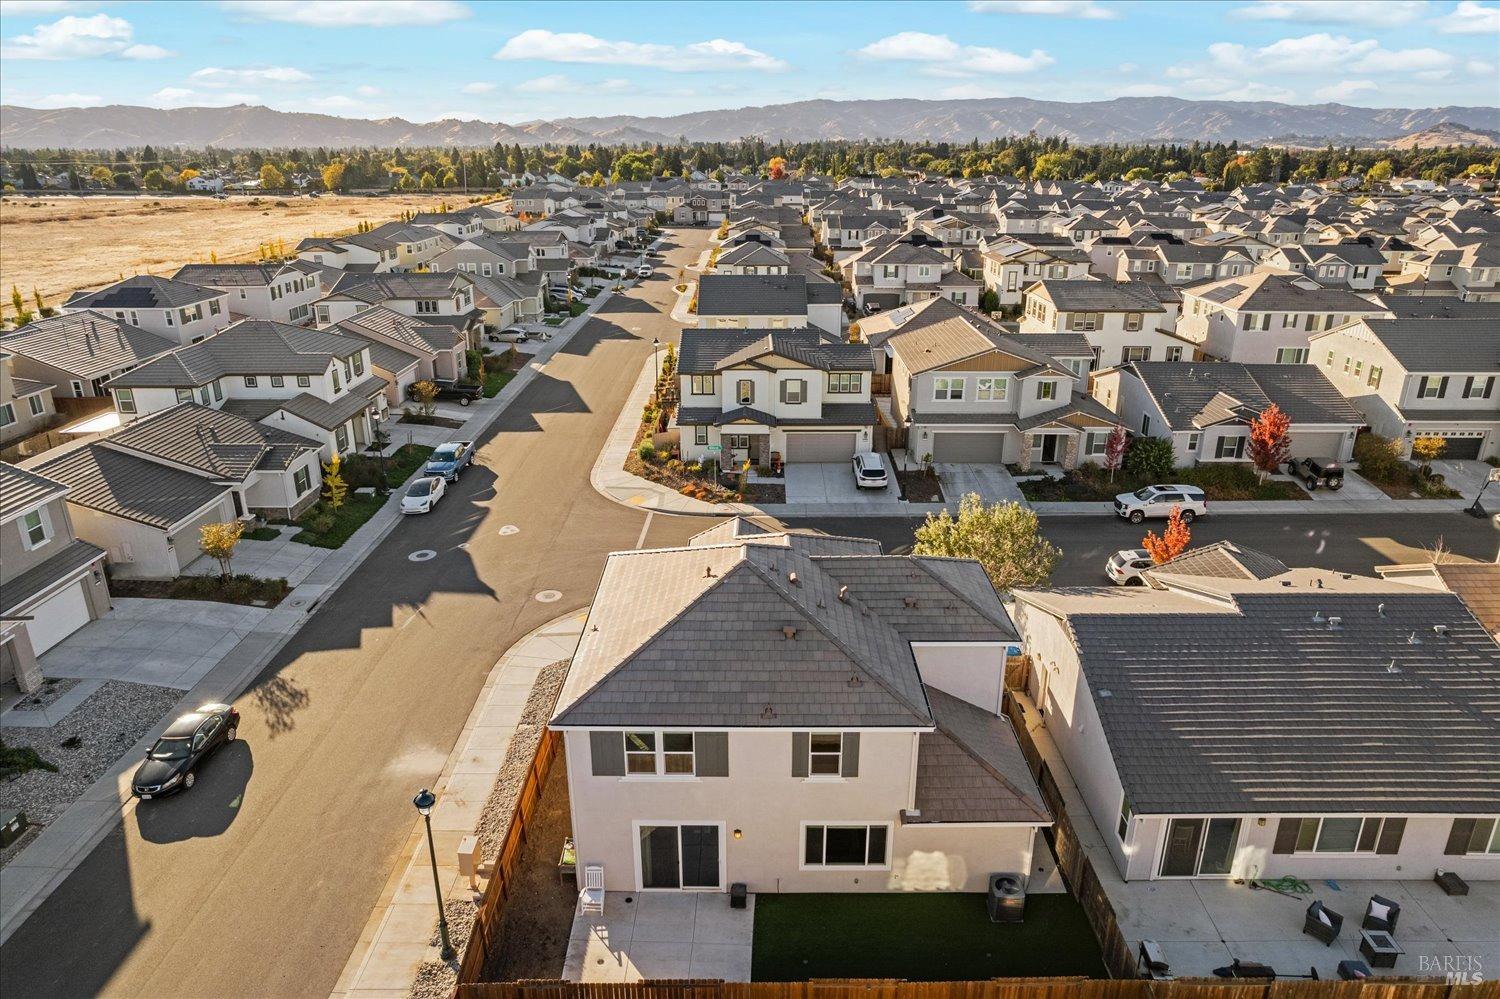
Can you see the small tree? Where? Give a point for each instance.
(1005, 538)
(272, 178)
(217, 541)
(426, 395)
(989, 301)
(1428, 449)
(1114, 450)
(1150, 458)
(1174, 539)
(1270, 440)
(335, 489)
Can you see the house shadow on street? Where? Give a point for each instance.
(206, 809)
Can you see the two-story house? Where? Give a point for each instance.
(77, 353)
(1205, 408)
(1420, 378)
(1013, 264)
(173, 309)
(749, 394)
(436, 299)
(769, 301)
(1356, 266)
(751, 257)
(440, 351)
(1266, 317)
(312, 383)
(279, 292)
(1122, 320)
(909, 269)
(858, 692)
(51, 583)
(26, 405)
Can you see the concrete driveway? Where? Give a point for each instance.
(1356, 488)
(815, 482)
(992, 482)
(1468, 477)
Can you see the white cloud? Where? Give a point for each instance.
(1345, 89)
(349, 13)
(1083, 9)
(176, 97)
(368, 91)
(1479, 67)
(218, 76)
(945, 57)
(477, 88)
(172, 93)
(28, 8)
(1127, 67)
(1365, 13)
(972, 92)
(333, 102)
(1218, 88)
(576, 47)
(559, 83)
(1318, 53)
(1471, 18)
(81, 38)
(69, 101)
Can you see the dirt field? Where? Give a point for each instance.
(61, 244)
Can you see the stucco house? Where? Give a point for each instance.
(768, 301)
(26, 405)
(79, 352)
(1122, 320)
(859, 692)
(280, 292)
(174, 309)
(1266, 317)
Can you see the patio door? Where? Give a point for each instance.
(682, 857)
(1197, 847)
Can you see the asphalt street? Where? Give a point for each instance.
(259, 881)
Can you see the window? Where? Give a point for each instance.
(125, 400)
(950, 389)
(1432, 388)
(700, 435)
(1348, 363)
(341, 438)
(701, 384)
(1136, 354)
(338, 386)
(1349, 834)
(218, 390)
(744, 391)
(1046, 390)
(77, 388)
(7, 415)
(36, 405)
(1473, 836)
(1359, 369)
(640, 752)
(1126, 811)
(184, 395)
(1083, 321)
(427, 306)
(991, 389)
(845, 382)
(35, 530)
(1193, 441)
(1174, 353)
(1096, 444)
(251, 381)
(1474, 388)
(213, 306)
(794, 391)
(301, 481)
(304, 381)
(1230, 447)
(844, 846)
(168, 315)
(349, 371)
(1291, 355)
(1132, 322)
(1375, 373)
(659, 754)
(203, 395)
(1328, 361)
(359, 364)
(278, 381)
(824, 754)
(1145, 424)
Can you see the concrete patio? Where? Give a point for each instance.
(279, 559)
(656, 935)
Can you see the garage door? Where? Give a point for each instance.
(819, 447)
(1463, 447)
(968, 447)
(1324, 445)
(57, 617)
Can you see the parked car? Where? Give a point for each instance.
(511, 334)
(449, 460)
(869, 471)
(541, 336)
(1315, 472)
(463, 392)
(1158, 501)
(423, 494)
(172, 762)
(645, 272)
(1125, 566)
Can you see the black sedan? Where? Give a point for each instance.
(172, 764)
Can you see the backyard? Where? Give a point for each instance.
(919, 937)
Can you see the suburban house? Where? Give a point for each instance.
(968, 391)
(486, 255)
(312, 383)
(768, 301)
(1205, 408)
(751, 394)
(437, 299)
(752, 257)
(51, 584)
(1356, 266)
(860, 692)
(1122, 320)
(1010, 266)
(1420, 378)
(1265, 317)
(1470, 272)
(1238, 719)
(173, 309)
(908, 269)
(279, 292)
(142, 494)
(439, 351)
(503, 301)
(79, 352)
(26, 405)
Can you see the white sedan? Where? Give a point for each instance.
(423, 494)
(1126, 566)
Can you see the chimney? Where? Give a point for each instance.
(789, 632)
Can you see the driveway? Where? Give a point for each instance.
(167, 643)
(992, 482)
(280, 559)
(1356, 488)
(1468, 477)
(815, 482)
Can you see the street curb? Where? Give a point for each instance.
(108, 799)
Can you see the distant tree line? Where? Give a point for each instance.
(1029, 157)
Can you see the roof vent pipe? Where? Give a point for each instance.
(789, 632)
(844, 594)
(791, 577)
(1440, 630)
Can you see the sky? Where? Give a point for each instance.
(515, 62)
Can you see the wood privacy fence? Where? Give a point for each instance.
(1004, 988)
(485, 935)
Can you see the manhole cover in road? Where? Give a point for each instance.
(510, 529)
(422, 555)
(549, 596)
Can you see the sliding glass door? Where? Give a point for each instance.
(680, 856)
(1199, 847)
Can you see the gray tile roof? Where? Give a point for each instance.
(704, 352)
(752, 295)
(1263, 708)
(421, 335)
(253, 275)
(1226, 560)
(1192, 394)
(1440, 344)
(1439, 307)
(1268, 291)
(143, 291)
(20, 489)
(74, 557)
(1100, 296)
(248, 347)
(847, 414)
(129, 486)
(331, 415)
(88, 344)
(376, 288)
(214, 442)
(971, 768)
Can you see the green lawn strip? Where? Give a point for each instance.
(263, 534)
(1221, 483)
(494, 381)
(937, 936)
(360, 507)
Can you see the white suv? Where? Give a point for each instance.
(1158, 501)
(1125, 567)
(869, 471)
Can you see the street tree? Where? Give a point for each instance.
(218, 542)
(1114, 450)
(1270, 439)
(335, 489)
(1005, 538)
(1174, 540)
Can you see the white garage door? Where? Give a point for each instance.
(968, 447)
(1322, 445)
(57, 617)
(819, 447)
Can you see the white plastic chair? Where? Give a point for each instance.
(591, 898)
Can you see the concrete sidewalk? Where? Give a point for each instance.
(397, 939)
(1270, 508)
(46, 863)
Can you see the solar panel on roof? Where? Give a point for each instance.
(130, 297)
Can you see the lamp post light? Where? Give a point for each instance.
(656, 360)
(424, 801)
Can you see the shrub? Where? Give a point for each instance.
(646, 451)
(693, 467)
(1150, 458)
(321, 523)
(675, 466)
(1379, 457)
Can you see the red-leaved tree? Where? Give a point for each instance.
(1174, 539)
(1270, 440)
(1114, 450)
(777, 167)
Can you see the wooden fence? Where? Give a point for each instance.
(485, 935)
(1005, 988)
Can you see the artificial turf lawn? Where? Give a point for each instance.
(940, 936)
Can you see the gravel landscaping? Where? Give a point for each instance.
(83, 746)
(52, 688)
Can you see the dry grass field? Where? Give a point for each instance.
(61, 244)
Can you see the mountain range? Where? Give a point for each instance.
(1128, 119)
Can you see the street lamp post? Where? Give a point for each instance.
(1475, 509)
(424, 801)
(656, 386)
